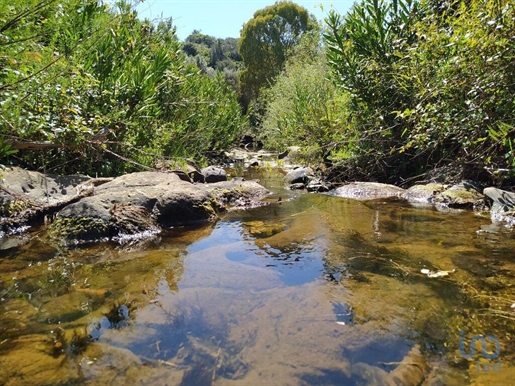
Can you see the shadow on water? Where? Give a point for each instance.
(202, 350)
(382, 354)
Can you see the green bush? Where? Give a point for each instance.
(430, 84)
(302, 109)
(85, 87)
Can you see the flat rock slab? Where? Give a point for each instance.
(368, 191)
(424, 194)
(36, 188)
(465, 194)
(136, 202)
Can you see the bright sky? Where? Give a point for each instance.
(223, 18)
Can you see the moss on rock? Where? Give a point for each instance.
(79, 228)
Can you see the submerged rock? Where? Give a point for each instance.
(261, 230)
(412, 370)
(69, 307)
(368, 191)
(289, 152)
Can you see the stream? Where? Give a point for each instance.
(311, 289)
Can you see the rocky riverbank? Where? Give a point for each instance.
(80, 208)
(463, 195)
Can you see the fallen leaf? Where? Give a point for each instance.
(433, 274)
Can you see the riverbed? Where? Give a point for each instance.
(309, 289)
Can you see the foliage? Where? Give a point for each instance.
(211, 55)
(103, 91)
(464, 108)
(429, 83)
(303, 106)
(265, 43)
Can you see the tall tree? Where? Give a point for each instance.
(265, 42)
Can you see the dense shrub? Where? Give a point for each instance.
(89, 88)
(430, 84)
(303, 108)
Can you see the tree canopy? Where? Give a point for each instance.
(210, 55)
(265, 42)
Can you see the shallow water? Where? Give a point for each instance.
(308, 290)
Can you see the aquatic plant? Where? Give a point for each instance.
(61, 344)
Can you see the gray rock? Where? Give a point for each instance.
(196, 176)
(298, 175)
(214, 174)
(424, 194)
(293, 150)
(503, 205)
(143, 201)
(236, 192)
(92, 209)
(297, 186)
(503, 201)
(37, 188)
(283, 155)
(253, 162)
(317, 185)
(466, 194)
(290, 151)
(368, 191)
(183, 175)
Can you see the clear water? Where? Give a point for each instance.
(308, 290)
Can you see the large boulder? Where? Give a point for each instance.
(144, 201)
(368, 191)
(87, 209)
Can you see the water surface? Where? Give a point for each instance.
(310, 289)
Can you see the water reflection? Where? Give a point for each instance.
(310, 290)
